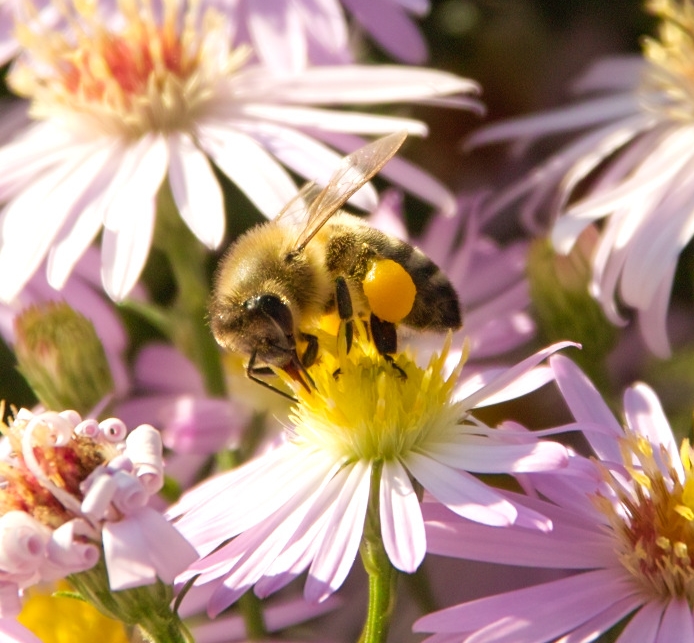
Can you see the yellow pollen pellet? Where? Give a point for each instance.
(389, 290)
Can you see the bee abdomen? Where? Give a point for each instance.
(436, 305)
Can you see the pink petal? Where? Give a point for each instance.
(643, 627)
(677, 623)
(277, 22)
(587, 405)
(12, 632)
(391, 28)
(402, 526)
(538, 613)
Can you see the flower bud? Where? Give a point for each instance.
(61, 358)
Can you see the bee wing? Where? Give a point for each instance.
(319, 204)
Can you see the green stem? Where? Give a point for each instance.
(382, 575)
(188, 260)
(147, 608)
(252, 612)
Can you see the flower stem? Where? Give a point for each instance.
(187, 328)
(382, 575)
(147, 608)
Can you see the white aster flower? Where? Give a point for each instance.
(368, 430)
(125, 100)
(637, 149)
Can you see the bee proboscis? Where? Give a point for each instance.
(278, 279)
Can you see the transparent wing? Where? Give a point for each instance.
(316, 205)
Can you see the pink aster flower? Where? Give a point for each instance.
(638, 130)
(122, 101)
(622, 523)
(75, 488)
(365, 429)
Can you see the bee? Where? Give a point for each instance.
(277, 280)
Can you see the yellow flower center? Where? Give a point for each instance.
(671, 73)
(654, 524)
(367, 408)
(140, 71)
(61, 619)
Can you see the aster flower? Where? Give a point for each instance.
(638, 129)
(366, 430)
(123, 100)
(75, 488)
(621, 523)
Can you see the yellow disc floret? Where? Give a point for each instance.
(362, 407)
(389, 290)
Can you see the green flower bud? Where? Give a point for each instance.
(61, 357)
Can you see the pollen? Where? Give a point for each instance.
(364, 407)
(653, 520)
(146, 70)
(390, 290)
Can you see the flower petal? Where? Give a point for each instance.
(460, 492)
(341, 536)
(402, 526)
(196, 190)
(257, 174)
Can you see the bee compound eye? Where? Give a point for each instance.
(274, 308)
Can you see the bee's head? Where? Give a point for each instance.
(262, 324)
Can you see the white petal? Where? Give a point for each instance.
(30, 222)
(645, 416)
(125, 251)
(497, 387)
(356, 84)
(341, 536)
(125, 554)
(129, 220)
(563, 119)
(499, 457)
(402, 526)
(308, 157)
(257, 174)
(331, 120)
(169, 552)
(196, 191)
(87, 218)
(460, 492)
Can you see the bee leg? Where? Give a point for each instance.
(311, 352)
(344, 309)
(252, 372)
(385, 338)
